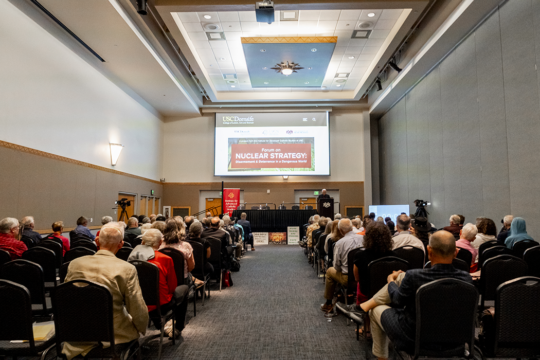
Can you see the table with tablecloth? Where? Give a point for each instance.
(275, 220)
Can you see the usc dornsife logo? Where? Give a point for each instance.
(231, 195)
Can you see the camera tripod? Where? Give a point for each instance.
(122, 214)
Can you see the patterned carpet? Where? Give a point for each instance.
(271, 312)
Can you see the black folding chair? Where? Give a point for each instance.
(77, 253)
(199, 254)
(414, 256)
(443, 334)
(124, 253)
(74, 322)
(295, 207)
(5, 257)
(216, 260)
(497, 270)
(178, 260)
(16, 319)
(53, 238)
(514, 331)
(521, 246)
(128, 245)
(29, 275)
(62, 272)
(45, 258)
(84, 243)
(56, 247)
(28, 241)
(458, 264)
(465, 255)
(308, 207)
(132, 239)
(350, 289)
(148, 274)
(75, 236)
(487, 245)
(532, 258)
(492, 252)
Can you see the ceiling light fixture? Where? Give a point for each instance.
(307, 82)
(266, 83)
(285, 177)
(351, 57)
(394, 66)
(379, 85)
(309, 68)
(287, 68)
(313, 50)
(263, 50)
(233, 86)
(141, 7)
(338, 85)
(265, 68)
(222, 59)
(116, 149)
(371, 15)
(207, 17)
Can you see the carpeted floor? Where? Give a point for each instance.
(271, 312)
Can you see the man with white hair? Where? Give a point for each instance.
(133, 227)
(505, 231)
(120, 278)
(339, 272)
(323, 195)
(27, 223)
(9, 230)
(466, 236)
(337, 216)
(454, 227)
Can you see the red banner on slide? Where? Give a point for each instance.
(231, 200)
(281, 156)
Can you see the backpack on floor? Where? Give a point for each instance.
(235, 265)
(227, 280)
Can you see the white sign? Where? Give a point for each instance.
(260, 238)
(293, 235)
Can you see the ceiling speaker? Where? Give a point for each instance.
(364, 25)
(212, 27)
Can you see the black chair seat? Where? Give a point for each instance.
(38, 308)
(7, 348)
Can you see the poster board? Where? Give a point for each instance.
(260, 238)
(277, 238)
(293, 235)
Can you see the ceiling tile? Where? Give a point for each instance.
(233, 35)
(192, 26)
(326, 25)
(358, 42)
(228, 16)
(231, 26)
(247, 16)
(221, 87)
(385, 24)
(218, 44)
(350, 14)
(269, 29)
(344, 37)
(375, 42)
(228, 71)
(350, 85)
(340, 50)
(214, 16)
(235, 46)
(353, 50)
(310, 25)
(225, 65)
(347, 63)
(217, 79)
(358, 72)
(328, 15)
(365, 15)
(210, 62)
(249, 34)
(222, 53)
(213, 70)
(288, 25)
(200, 44)
(379, 34)
(345, 25)
(370, 50)
(391, 14)
(366, 56)
(362, 63)
(250, 26)
(199, 35)
(187, 17)
(309, 15)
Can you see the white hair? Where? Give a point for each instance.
(469, 231)
(27, 221)
(455, 219)
(106, 220)
(111, 234)
(337, 216)
(152, 237)
(345, 225)
(316, 218)
(323, 190)
(7, 224)
(221, 223)
(356, 223)
(508, 219)
(226, 219)
(145, 227)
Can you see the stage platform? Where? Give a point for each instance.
(275, 220)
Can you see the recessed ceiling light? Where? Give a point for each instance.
(338, 85)
(235, 86)
(307, 82)
(351, 57)
(309, 68)
(223, 59)
(371, 14)
(313, 50)
(263, 50)
(265, 68)
(208, 17)
(266, 83)
(323, 87)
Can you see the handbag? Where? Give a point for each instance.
(227, 280)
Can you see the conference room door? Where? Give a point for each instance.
(130, 210)
(211, 202)
(308, 201)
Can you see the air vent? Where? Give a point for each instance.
(232, 81)
(361, 34)
(342, 75)
(230, 77)
(288, 15)
(213, 36)
(212, 27)
(364, 25)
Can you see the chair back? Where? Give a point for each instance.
(56, 247)
(62, 272)
(517, 333)
(215, 253)
(497, 270)
(487, 245)
(254, 208)
(126, 244)
(74, 322)
(75, 236)
(492, 252)
(465, 255)
(5, 257)
(77, 253)
(178, 260)
(45, 258)
(15, 313)
(458, 264)
(282, 207)
(148, 274)
(295, 207)
(28, 241)
(29, 275)
(199, 255)
(84, 243)
(331, 246)
(532, 258)
(132, 239)
(54, 238)
(445, 318)
(124, 253)
(519, 248)
(308, 207)
(414, 256)
(380, 269)
(351, 281)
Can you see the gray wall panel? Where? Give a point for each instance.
(422, 138)
(412, 147)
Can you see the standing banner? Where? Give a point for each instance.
(293, 235)
(231, 200)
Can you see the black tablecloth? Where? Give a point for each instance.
(275, 220)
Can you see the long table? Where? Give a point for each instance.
(275, 220)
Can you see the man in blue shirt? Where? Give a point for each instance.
(82, 227)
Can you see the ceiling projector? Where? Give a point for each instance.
(264, 10)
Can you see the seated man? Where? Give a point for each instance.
(246, 226)
(195, 232)
(120, 277)
(9, 230)
(171, 296)
(133, 227)
(28, 229)
(393, 309)
(82, 227)
(214, 232)
(404, 237)
(339, 272)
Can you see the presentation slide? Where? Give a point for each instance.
(261, 144)
(391, 211)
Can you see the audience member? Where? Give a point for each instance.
(400, 319)
(120, 278)
(333, 236)
(205, 223)
(339, 272)
(104, 220)
(467, 236)
(188, 220)
(322, 241)
(246, 225)
(140, 219)
(133, 227)
(146, 220)
(195, 232)
(58, 229)
(505, 231)
(421, 229)
(208, 215)
(145, 227)
(82, 227)
(229, 228)
(390, 224)
(487, 231)
(454, 227)
(27, 225)
(337, 216)
(9, 231)
(357, 224)
(372, 216)
(518, 232)
(152, 218)
(214, 232)
(380, 219)
(240, 230)
(161, 218)
(160, 225)
(367, 220)
(404, 237)
(461, 220)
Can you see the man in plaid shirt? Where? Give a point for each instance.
(9, 230)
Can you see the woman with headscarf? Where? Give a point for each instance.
(518, 232)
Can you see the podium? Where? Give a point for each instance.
(325, 207)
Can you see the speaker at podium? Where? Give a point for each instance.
(325, 207)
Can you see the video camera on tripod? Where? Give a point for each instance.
(421, 208)
(123, 204)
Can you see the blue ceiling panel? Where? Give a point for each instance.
(276, 53)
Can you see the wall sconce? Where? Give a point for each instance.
(116, 149)
(285, 177)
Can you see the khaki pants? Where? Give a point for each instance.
(332, 278)
(380, 340)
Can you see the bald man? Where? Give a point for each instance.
(400, 292)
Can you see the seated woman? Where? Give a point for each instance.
(322, 241)
(487, 231)
(58, 228)
(195, 231)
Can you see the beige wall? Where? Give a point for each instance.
(50, 189)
